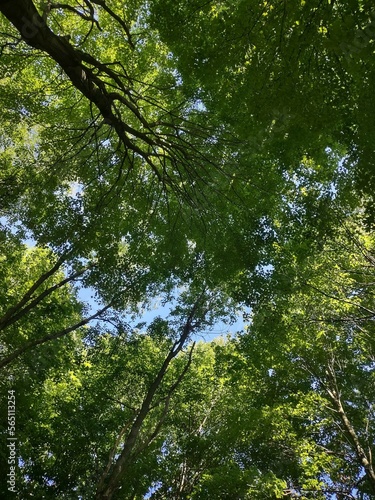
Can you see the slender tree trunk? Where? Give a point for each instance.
(363, 458)
(360, 452)
(110, 480)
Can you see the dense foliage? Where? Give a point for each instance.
(214, 158)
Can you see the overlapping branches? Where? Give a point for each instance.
(173, 147)
(117, 468)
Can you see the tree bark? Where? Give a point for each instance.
(362, 457)
(110, 481)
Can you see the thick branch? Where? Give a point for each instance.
(109, 92)
(35, 32)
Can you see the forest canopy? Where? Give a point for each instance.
(213, 160)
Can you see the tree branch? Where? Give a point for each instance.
(109, 482)
(14, 309)
(52, 336)
(19, 312)
(363, 459)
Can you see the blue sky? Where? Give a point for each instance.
(147, 315)
(219, 329)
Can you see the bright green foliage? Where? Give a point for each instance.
(254, 417)
(145, 166)
(20, 268)
(52, 307)
(292, 400)
(314, 337)
(83, 412)
(208, 155)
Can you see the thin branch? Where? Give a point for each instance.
(117, 18)
(22, 312)
(14, 309)
(52, 336)
(338, 299)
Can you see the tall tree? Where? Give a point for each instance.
(313, 335)
(98, 422)
(291, 77)
(118, 154)
(207, 147)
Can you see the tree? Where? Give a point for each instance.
(88, 440)
(143, 178)
(312, 339)
(287, 76)
(206, 427)
(121, 166)
(282, 410)
(292, 415)
(208, 148)
(39, 302)
(55, 308)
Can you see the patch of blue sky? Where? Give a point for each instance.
(156, 307)
(16, 228)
